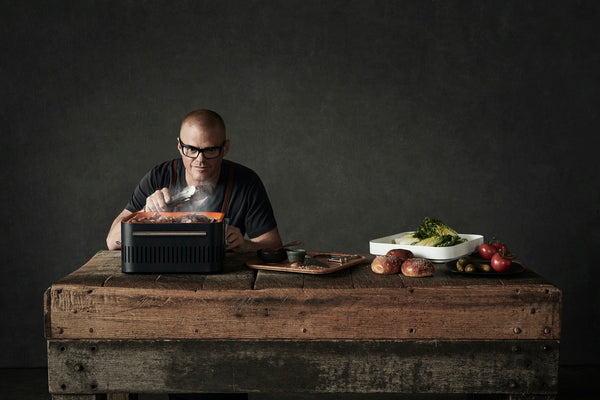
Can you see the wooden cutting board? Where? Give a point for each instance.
(308, 267)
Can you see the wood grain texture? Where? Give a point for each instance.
(99, 302)
(102, 396)
(289, 366)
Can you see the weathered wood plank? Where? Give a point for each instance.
(102, 396)
(338, 280)
(403, 396)
(527, 312)
(98, 269)
(314, 366)
(104, 270)
(234, 277)
(364, 278)
(76, 397)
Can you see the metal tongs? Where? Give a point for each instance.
(337, 259)
(343, 259)
(185, 195)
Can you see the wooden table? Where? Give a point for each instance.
(276, 332)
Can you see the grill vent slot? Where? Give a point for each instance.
(171, 254)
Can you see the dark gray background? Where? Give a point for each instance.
(361, 117)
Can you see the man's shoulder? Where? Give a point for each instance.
(159, 173)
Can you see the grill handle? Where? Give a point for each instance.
(170, 233)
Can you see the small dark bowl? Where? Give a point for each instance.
(272, 256)
(296, 255)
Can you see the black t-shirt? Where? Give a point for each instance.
(249, 207)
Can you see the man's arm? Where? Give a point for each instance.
(269, 240)
(113, 240)
(157, 201)
(236, 242)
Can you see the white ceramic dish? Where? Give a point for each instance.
(436, 254)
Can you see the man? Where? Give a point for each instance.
(222, 185)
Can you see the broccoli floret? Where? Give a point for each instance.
(450, 240)
(443, 234)
(433, 227)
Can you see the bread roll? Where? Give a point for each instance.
(400, 254)
(386, 265)
(417, 267)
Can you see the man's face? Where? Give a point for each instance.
(200, 169)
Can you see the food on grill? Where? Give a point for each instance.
(400, 254)
(386, 265)
(417, 267)
(158, 218)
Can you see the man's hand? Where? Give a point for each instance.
(158, 200)
(234, 240)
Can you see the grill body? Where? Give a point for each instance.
(173, 247)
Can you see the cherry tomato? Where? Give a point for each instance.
(500, 263)
(500, 247)
(486, 251)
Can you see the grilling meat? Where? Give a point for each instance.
(158, 218)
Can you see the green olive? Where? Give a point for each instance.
(459, 267)
(470, 268)
(485, 267)
(464, 261)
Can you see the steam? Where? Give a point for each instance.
(203, 191)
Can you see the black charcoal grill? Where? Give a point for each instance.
(173, 242)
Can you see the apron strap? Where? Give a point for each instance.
(228, 190)
(173, 174)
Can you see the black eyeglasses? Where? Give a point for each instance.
(207, 152)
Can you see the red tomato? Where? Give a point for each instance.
(486, 251)
(500, 263)
(500, 247)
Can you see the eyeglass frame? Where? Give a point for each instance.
(201, 151)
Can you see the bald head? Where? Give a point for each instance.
(205, 120)
(201, 131)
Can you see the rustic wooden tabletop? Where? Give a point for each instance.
(99, 301)
(247, 330)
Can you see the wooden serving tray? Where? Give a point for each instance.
(307, 267)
